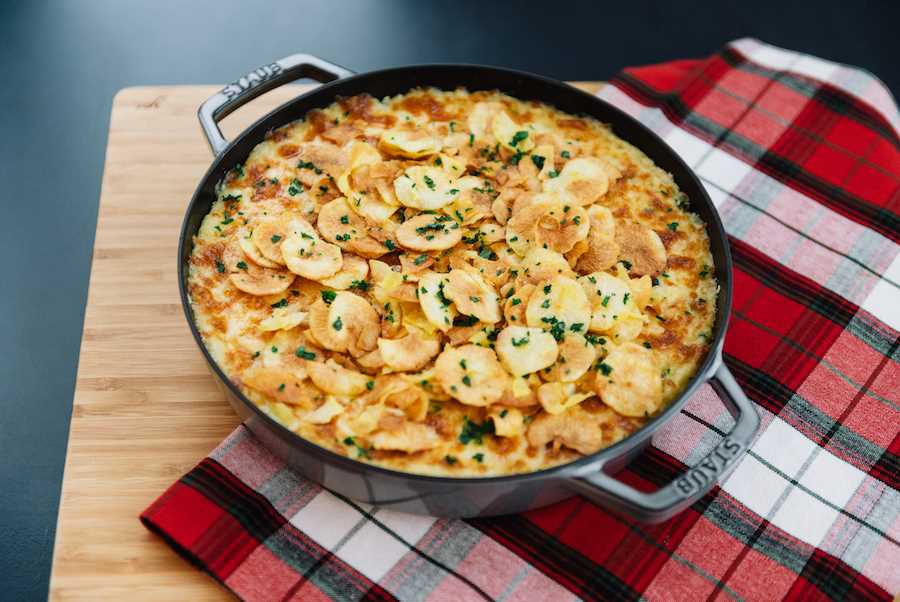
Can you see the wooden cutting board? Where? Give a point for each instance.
(145, 408)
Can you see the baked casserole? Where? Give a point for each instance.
(453, 283)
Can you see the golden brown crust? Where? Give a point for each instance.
(453, 283)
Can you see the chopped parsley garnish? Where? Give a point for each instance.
(519, 342)
(282, 303)
(558, 330)
(467, 381)
(538, 161)
(479, 457)
(464, 320)
(451, 460)
(518, 137)
(705, 271)
(390, 244)
(420, 259)
(295, 188)
(486, 253)
(565, 154)
(648, 345)
(471, 139)
(625, 263)
(428, 182)
(673, 226)
(328, 296)
(547, 289)
(605, 301)
(475, 431)
(220, 267)
(438, 162)
(515, 301)
(553, 174)
(227, 221)
(604, 368)
(274, 349)
(275, 238)
(337, 324)
(345, 219)
(370, 385)
(625, 298)
(546, 304)
(504, 413)
(304, 354)
(576, 327)
(241, 265)
(281, 387)
(309, 165)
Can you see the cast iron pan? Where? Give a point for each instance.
(591, 476)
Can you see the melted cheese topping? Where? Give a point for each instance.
(453, 283)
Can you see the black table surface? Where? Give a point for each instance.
(63, 62)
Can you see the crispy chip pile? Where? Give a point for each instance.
(454, 283)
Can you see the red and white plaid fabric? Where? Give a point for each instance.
(802, 158)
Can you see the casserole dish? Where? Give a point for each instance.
(453, 496)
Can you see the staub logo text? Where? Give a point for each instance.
(708, 470)
(251, 80)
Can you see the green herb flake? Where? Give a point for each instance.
(479, 457)
(673, 226)
(304, 354)
(604, 368)
(475, 431)
(282, 303)
(220, 267)
(451, 460)
(553, 174)
(520, 342)
(241, 265)
(337, 324)
(328, 296)
(538, 161)
(518, 137)
(428, 182)
(275, 238)
(565, 154)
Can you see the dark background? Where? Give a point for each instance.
(63, 62)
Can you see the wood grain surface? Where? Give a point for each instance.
(145, 408)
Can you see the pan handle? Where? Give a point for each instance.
(674, 497)
(259, 81)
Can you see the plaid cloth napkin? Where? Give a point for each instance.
(802, 158)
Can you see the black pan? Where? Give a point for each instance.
(591, 476)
